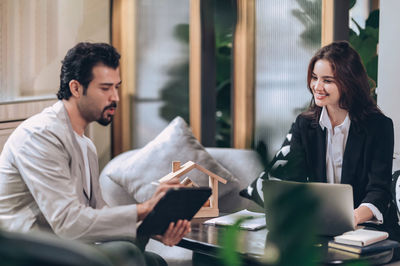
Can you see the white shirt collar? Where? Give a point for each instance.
(325, 122)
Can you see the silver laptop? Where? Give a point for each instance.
(335, 213)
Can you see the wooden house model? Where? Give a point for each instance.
(211, 208)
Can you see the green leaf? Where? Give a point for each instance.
(291, 217)
(301, 16)
(181, 32)
(372, 69)
(357, 25)
(373, 19)
(372, 33)
(352, 3)
(229, 242)
(307, 15)
(366, 45)
(368, 49)
(355, 40)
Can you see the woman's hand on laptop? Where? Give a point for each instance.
(174, 233)
(362, 214)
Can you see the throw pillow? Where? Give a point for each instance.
(176, 142)
(395, 189)
(275, 170)
(395, 186)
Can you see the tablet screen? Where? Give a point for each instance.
(177, 203)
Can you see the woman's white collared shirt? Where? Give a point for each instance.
(335, 145)
(336, 139)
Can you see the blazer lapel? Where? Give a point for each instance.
(96, 199)
(81, 163)
(93, 173)
(317, 143)
(353, 150)
(76, 149)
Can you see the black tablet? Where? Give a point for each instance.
(177, 204)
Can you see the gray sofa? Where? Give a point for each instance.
(245, 166)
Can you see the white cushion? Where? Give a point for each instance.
(134, 172)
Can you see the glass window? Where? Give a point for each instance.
(162, 65)
(224, 21)
(287, 35)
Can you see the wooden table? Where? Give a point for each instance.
(203, 239)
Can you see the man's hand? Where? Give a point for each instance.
(146, 207)
(174, 233)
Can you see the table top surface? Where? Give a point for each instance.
(204, 239)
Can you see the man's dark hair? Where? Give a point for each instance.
(79, 62)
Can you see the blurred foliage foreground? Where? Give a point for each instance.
(291, 232)
(291, 238)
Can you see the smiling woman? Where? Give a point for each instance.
(343, 137)
(337, 69)
(355, 148)
(324, 88)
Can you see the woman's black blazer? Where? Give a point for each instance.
(367, 159)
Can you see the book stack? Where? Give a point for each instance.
(363, 241)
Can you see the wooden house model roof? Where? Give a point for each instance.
(187, 167)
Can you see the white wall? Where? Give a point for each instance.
(389, 64)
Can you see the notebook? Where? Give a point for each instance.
(383, 245)
(254, 221)
(335, 214)
(361, 237)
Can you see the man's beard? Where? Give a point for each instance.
(106, 120)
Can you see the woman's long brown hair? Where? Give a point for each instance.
(350, 77)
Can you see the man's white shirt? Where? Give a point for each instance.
(85, 143)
